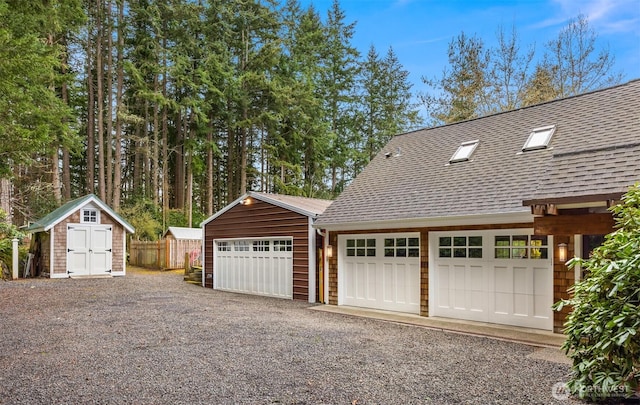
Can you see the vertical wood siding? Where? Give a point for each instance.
(260, 220)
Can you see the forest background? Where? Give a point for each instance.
(168, 110)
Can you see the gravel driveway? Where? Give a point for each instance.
(150, 338)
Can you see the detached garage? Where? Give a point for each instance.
(84, 237)
(264, 244)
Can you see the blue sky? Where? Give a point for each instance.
(420, 30)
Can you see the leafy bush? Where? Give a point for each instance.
(603, 330)
(7, 233)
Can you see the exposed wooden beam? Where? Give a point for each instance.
(588, 224)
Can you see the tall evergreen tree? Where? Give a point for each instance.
(338, 87)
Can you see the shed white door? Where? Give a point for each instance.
(261, 266)
(89, 250)
(503, 277)
(380, 271)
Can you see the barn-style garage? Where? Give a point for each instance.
(84, 237)
(264, 244)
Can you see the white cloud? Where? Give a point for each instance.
(605, 16)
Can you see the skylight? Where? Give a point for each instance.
(464, 152)
(539, 138)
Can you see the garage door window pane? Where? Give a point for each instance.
(503, 240)
(260, 245)
(475, 253)
(475, 240)
(397, 247)
(444, 252)
(241, 246)
(539, 248)
(519, 253)
(464, 247)
(521, 247)
(224, 247)
(282, 246)
(361, 247)
(503, 253)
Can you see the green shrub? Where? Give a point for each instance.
(603, 330)
(8, 232)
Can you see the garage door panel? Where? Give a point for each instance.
(503, 304)
(499, 286)
(522, 280)
(371, 277)
(521, 304)
(475, 278)
(503, 279)
(391, 282)
(541, 306)
(254, 266)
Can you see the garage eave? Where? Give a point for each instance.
(274, 199)
(470, 220)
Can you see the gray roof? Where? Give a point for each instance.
(182, 233)
(54, 217)
(594, 150)
(311, 207)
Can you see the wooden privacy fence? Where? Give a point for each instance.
(165, 254)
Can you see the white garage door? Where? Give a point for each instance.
(262, 266)
(380, 271)
(503, 277)
(89, 250)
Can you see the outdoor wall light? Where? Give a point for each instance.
(329, 251)
(562, 252)
(245, 201)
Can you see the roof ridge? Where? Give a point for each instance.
(555, 100)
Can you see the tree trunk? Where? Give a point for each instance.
(179, 165)
(100, 100)
(90, 114)
(209, 190)
(109, 133)
(117, 169)
(5, 198)
(155, 158)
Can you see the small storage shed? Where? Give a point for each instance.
(84, 237)
(264, 244)
(180, 241)
(181, 233)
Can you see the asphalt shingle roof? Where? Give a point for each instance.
(594, 150)
(310, 206)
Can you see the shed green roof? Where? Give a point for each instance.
(54, 217)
